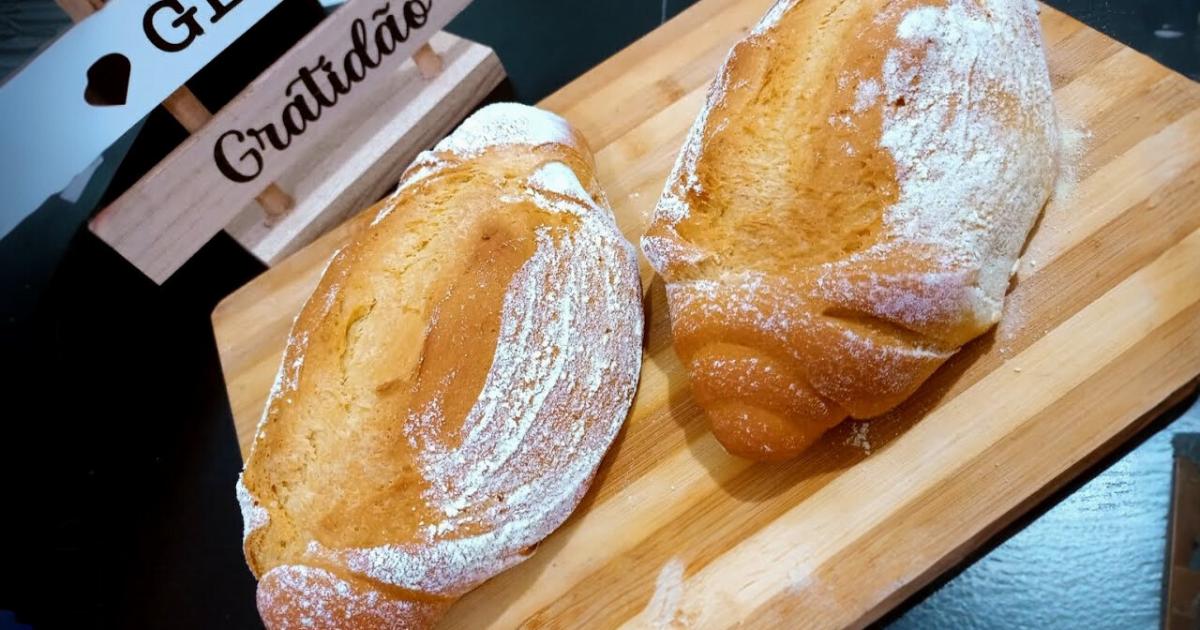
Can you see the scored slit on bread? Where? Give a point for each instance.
(848, 208)
(449, 389)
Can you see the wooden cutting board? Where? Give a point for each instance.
(1102, 325)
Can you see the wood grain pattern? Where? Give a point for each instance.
(1103, 322)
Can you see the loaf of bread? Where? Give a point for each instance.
(849, 206)
(451, 386)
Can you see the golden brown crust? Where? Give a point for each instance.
(451, 385)
(848, 208)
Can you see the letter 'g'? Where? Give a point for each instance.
(226, 168)
(184, 18)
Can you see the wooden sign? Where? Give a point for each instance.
(97, 80)
(374, 143)
(293, 108)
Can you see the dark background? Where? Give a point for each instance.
(117, 449)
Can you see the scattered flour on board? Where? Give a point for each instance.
(858, 436)
(1011, 323)
(1073, 140)
(799, 579)
(815, 593)
(663, 609)
(1073, 143)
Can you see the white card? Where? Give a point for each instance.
(49, 132)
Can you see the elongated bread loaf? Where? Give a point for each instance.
(450, 387)
(849, 206)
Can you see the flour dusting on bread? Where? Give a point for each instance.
(310, 597)
(952, 139)
(542, 389)
(505, 124)
(866, 95)
(772, 16)
(442, 410)
(254, 515)
(499, 124)
(673, 205)
(849, 206)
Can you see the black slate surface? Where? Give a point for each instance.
(117, 450)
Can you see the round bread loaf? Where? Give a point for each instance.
(451, 386)
(849, 206)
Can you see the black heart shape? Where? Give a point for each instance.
(108, 81)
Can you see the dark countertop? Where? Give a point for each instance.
(117, 450)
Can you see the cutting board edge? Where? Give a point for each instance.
(966, 552)
(993, 527)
